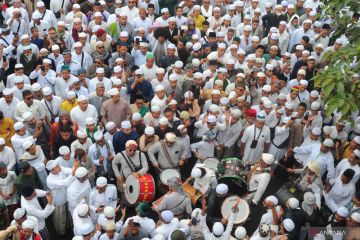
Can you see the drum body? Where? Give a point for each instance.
(193, 193)
(140, 189)
(230, 168)
(242, 212)
(165, 175)
(211, 163)
(285, 192)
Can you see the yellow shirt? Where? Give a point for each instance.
(66, 106)
(7, 130)
(199, 21)
(347, 151)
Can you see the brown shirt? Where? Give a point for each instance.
(115, 112)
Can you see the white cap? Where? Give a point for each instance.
(163, 121)
(267, 158)
(100, 70)
(81, 133)
(136, 116)
(70, 94)
(266, 88)
(63, 150)
(196, 172)
(90, 121)
(159, 88)
(113, 91)
(82, 209)
(342, 211)
(80, 172)
(315, 106)
(98, 135)
(77, 44)
(27, 116)
(288, 224)
(155, 108)
(47, 91)
(110, 126)
(222, 189)
(36, 87)
(196, 46)
(218, 229)
(82, 98)
(328, 142)
(18, 126)
(125, 124)
(316, 131)
(50, 165)
(293, 203)
(272, 199)
(27, 143)
(101, 182)
(2, 141)
(173, 77)
(40, 4)
(109, 211)
(28, 224)
(149, 130)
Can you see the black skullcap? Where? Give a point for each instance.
(27, 191)
(24, 166)
(349, 173)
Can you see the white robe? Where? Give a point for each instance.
(76, 192)
(58, 185)
(79, 116)
(252, 155)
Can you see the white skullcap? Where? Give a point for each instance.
(131, 143)
(357, 139)
(80, 172)
(149, 130)
(82, 209)
(81, 133)
(272, 199)
(76, 5)
(304, 82)
(172, 102)
(222, 45)
(155, 108)
(267, 158)
(282, 96)
(315, 106)
(19, 213)
(214, 108)
(2, 141)
(247, 28)
(71, 94)
(171, 137)
(327, 130)
(266, 88)
(124, 34)
(355, 216)
(159, 88)
(314, 94)
(90, 121)
(293, 203)
(173, 77)
(63, 150)
(110, 126)
(196, 46)
(268, 103)
(232, 94)
(36, 87)
(163, 121)
(82, 98)
(136, 116)
(115, 81)
(164, 10)
(261, 117)
(50, 165)
(218, 229)
(167, 216)
(7, 91)
(46, 60)
(224, 101)
(240, 232)
(196, 172)
(222, 189)
(113, 91)
(77, 44)
(195, 37)
(109, 211)
(18, 126)
(342, 211)
(236, 113)
(198, 75)
(288, 224)
(125, 124)
(328, 142)
(160, 71)
(179, 64)
(47, 91)
(28, 224)
(211, 119)
(101, 182)
(40, 4)
(299, 47)
(18, 79)
(98, 135)
(289, 105)
(97, 14)
(117, 69)
(100, 70)
(316, 131)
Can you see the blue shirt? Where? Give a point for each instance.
(120, 138)
(143, 88)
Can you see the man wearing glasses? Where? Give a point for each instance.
(29, 104)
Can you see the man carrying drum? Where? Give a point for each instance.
(176, 200)
(171, 153)
(259, 178)
(129, 162)
(204, 178)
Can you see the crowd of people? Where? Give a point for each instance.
(171, 120)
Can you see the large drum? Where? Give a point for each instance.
(140, 189)
(230, 168)
(165, 176)
(242, 212)
(211, 163)
(193, 193)
(287, 191)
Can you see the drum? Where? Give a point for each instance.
(287, 191)
(231, 168)
(242, 213)
(140, 189)
(165, 175)
(193, 193)
(211, 163)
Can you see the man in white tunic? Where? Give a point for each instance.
(21, 134)
(8, 103)
(32, 206)
(103, 195)
(79, 113)
(255, 140)
(100, 77)
(352, 163)
(34, 155)
(51, 104)
(7, 155)
(29, 104)
(58, 180)
(79, 189)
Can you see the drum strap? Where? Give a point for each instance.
(262, 171)
(177, 205)
(167, 154)
(131, 165)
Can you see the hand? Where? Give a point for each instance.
(6, 197)
(110, 157)
(123, 211)
(49, 198)
(120, 179)
(203, 206)
(189, 179)
(156, 165)
(337, 145)
(100, 209)
(309, 180)
(136, 174)
(290, 170)
(181, 162)
(101, 159)
(76, 164)
(224, 221)
(98, 227)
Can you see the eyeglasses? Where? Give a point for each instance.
(131, 150)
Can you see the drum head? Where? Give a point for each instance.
(243, 209)
(168, 173)
(132, 189)
(211, 163)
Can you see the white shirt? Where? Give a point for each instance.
(147, 223)
(76, 192)
(230, 135)
(37, 109)
(61, 85)
(18, 92)
(79, 116)
(107, 198)
(205, 149)
(58, 185)
(131, 13)
(10, 80)
(33, 208)
(93, 154)
(76, 144)
(262, 136)
(8, 109)
(83, 58)
(52, 107)
(138, 22)
(166, 228)
(16, 142)
(339, 195)
(49, 17)
(80, 221)
(343, 165)
(7, 156)
(92, 84)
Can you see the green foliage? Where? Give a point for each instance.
(340, 92)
